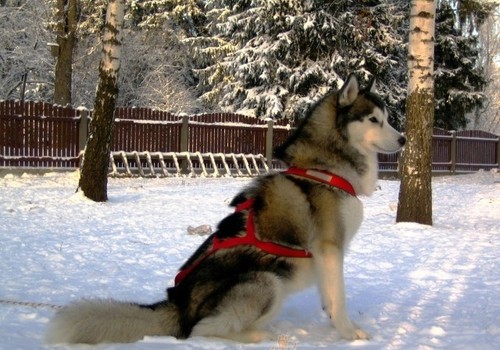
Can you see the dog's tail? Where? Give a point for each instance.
(109, 321)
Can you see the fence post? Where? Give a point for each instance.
(185, 133)
(83, 129)
(269, 143)
(184, 142)
(498, 152)
(453, 152)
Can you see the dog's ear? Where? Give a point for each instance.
(372, 86)
(349, 91)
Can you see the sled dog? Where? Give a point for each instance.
(289, 230)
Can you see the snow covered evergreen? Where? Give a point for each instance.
(459, 80)
(285, 54)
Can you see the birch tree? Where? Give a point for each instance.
(94, 175)
(415, 194)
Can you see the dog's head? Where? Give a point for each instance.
(362, 118)
(343, 127)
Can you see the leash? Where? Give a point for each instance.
(31, 304)
(251, 239)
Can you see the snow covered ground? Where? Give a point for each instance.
(410, 286)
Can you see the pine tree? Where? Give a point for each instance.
(187, 16)
(273, 59)
(488, 119)
(459, 80)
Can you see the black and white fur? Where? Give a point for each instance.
(235, 292)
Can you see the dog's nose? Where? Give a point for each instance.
(402, 140)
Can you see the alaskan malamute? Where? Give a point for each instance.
(289, 230)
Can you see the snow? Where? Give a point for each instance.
(410, 286)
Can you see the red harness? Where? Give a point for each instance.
(250, 238)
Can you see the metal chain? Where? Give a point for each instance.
(30, 304)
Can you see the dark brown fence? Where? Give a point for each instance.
(144, 129)
(456, 152)
(36, 134)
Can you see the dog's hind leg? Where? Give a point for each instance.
(244, 310)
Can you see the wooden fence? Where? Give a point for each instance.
(40, 135)
(456, 152)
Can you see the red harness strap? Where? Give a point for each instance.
(250, 239)
(324, 177)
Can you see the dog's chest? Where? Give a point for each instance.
(352, 215)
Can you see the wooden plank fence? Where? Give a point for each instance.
(38, 135)
(41, 135)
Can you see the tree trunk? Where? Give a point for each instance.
(415, 193)
(94, 175)
(67, 19)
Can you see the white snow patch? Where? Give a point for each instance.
(410, 286)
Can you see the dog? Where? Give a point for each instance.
(290, 230)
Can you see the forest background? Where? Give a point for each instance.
(266, 58)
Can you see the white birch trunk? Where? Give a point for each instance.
(113, 37)
(421, 45)
(415, 194)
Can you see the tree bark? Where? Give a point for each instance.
(67, 19)
(94, 175)
(415, 193)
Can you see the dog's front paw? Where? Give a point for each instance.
(354, 333)
(361, 334)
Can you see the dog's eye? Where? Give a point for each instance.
(373, 119)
